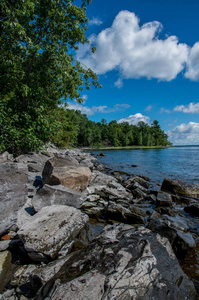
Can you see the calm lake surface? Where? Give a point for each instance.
(176, 162)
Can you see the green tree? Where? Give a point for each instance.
(37, 67)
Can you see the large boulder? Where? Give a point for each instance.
(66, 171)
(122, 263)
(13, 193)
(179, 187)
(50, 229)
(56, 194)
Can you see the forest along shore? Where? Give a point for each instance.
(69, 230)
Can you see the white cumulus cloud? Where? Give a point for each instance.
(89, 111)
(184, 134)
(191, 108)
(193, 63)
(135, 119)
(136, 51)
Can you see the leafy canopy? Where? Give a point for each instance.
(37, 67)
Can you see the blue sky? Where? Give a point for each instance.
(147, 60)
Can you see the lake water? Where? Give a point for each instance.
(176, 162)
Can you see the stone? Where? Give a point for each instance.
(176, 230)
(5, 265)
(5, 156)
(140, 180)
(56, 194)
(4, 245)
(87, 163)
(164, 199)
(119, 213)
(99, 178)
(50, 229)
(121, 263)
(66, 172)
(180, 187)
(13, 193)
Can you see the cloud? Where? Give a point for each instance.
(149, 108)
(95, 21)
(191, 108)
(119, 83)
(135, 119)
(193, 63)
(185, 134)
(135, 51)
(164, 110)
(89, 111)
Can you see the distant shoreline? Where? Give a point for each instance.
(125, 148)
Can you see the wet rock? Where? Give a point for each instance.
(13, 193)
(50, 229)
(58, 194)
(122, 263)
(180, 187)
(66, 172)
(5, 264)
(164, 199)
(176, 230)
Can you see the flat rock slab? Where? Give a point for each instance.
(50, 229)
(56, 194)
(13, 193)
(122, 263)
(180, 187)
(67, 172)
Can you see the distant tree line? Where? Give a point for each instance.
(77, 130)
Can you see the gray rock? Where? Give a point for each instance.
(143, 182)
(99, 178)
(180, 187)
(5, 157)
(4, 245)
(119, 213)
(87, 163)
(122, 263)
(50, 229)
(176, 230)
(36, 160)
(164, 199)
(57, 194)
(5, 264)
(66, 172)
(13, 193)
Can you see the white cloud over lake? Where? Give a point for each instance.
(184, 134)
(135, 119)
(191, 108)
(137, 51)
(193, 63)
(89, 111)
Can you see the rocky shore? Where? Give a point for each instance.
(69, 230)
